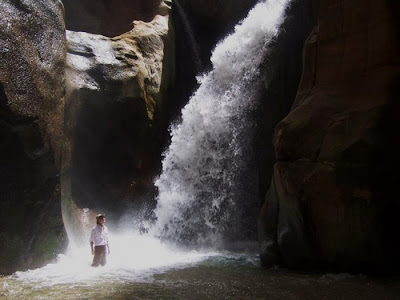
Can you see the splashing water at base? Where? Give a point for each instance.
(143, 268)
(200, 174)
(207, 189)
(135, 261)
(133, 257)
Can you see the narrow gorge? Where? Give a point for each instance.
(239, 149)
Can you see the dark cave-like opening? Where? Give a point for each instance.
(112, 161)
(109, 18)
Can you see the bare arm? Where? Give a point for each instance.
(91, 247)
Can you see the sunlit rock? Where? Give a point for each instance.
(116, 91)
(32, 61)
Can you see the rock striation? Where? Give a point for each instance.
(333, 198)
(32, 64)
(116, 90)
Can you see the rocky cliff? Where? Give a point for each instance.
(281, 74)
(32, 64)
(81, 117)
(117, 89)
(332, 202)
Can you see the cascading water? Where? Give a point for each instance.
(202, 181)
(207, 178)
(202, 188)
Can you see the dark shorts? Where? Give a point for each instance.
(100, 256)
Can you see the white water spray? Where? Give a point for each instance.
(133, 257)
(204, 170)
(199, 183)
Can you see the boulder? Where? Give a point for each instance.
(337, 150)
(32, 61)
(116, 91)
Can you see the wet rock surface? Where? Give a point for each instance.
(32, 60)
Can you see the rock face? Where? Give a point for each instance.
(32, 60)
(332, 202)
(116, 89)
(282, 73)
(109, 18)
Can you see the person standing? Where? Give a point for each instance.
(99, 242)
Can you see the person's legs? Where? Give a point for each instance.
(99, 256)
(96, 257)
(103, 257)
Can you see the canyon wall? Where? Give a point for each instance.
(281, 74)
(333, 198)
(81, 118)
(84, 117)
(32, 64)
(117, 88)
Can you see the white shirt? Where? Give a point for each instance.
(99, 235)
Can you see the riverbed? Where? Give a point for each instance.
(144, 268)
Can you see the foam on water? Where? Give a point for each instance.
(133, 257)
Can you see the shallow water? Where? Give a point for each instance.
(143, 268)
(219, 277)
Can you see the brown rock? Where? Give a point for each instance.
(109, 18)
(116, 89)
(337, 149)
(327, 215)
(32, 60)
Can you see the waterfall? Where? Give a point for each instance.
(207, 173)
